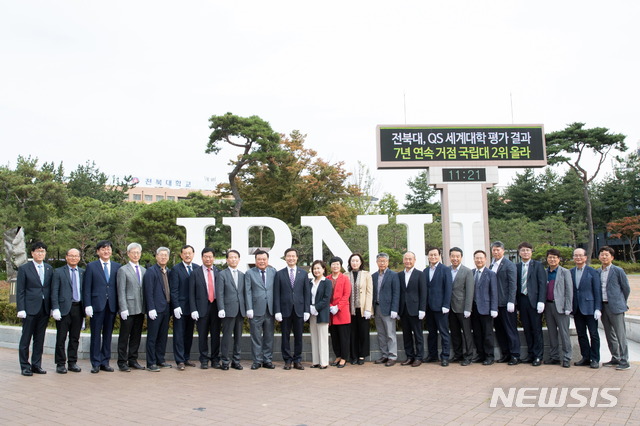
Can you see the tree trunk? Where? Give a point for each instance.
(236, 194)
(587, 201)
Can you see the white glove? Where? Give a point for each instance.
(153, 314)
(567, 313)
(394, 315)
(279, 317)
(511, 307)
(124, 315)
(195, 316)
(250, 313)
(177, 312)
(306, 316)
(22, 314)
(89, 311)
(597, 314)
(313, 310)
(421, 315)
(540, 307)
(333, 310)
(445, 310)
(221, 313)
(494, 314)
(367, 315)
(467, 314)
(56, 315)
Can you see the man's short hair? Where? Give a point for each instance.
(525, 244)
(479, 251)
(160, 249)
(383, 255)
(38, 245)
(187, 246)
(233, 251)
(260, 251)
(611, 251)
(434, 248)
(458, 249)
(134, 246)
(207, 250)
(553, 252)
(102, 244)
(293, 250)
(497, 244)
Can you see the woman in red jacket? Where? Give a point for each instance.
(340, 314)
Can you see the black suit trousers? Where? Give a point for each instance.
(292, 323)
(584, 322)
(482, 326)
(341, 340)
(461, 339)
(157, 335)
(33, 326)
(129, 338)
(532, 326)
(210, 323)
(412, 336)
(359, 335)
(70, 325)
(101, 323)
(182, 337)
(506, 326)
(438, 323)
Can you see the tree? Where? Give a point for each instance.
(419, 200)
(258, 141)
(364, 187)
(388, 205)
(619, 194)
(571, 146)
(88, 181)
(627, 228)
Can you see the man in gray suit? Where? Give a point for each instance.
(231, 304)
(259, 300)
(461, 308)
(66, 302)
(386, 300)
(131, 305)
(558, 309)
(615, 293)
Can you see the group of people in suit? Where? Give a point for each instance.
(464, 309)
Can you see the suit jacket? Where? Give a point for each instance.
(439, 288)
(231, 298)
(96, 290)
(507, 274)
(462, 290)
(323, 299)
(198, 294)
(365, 284)
(179, 285)
(617, 290)
(130, 294)
(563, 290)
(340, 298)
(30, 291)
(61, 290)
(587, 297)
(153, 286)
(536, 282)
(389, 297)
(413, 296)
(486, 292)
(287, 300)
(259, 296)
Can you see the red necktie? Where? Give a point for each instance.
(210, 285)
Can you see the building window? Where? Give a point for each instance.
(171, 198)
(159, 197)
(148, 198)
(137, 197)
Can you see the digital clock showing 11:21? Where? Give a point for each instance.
(464, 175)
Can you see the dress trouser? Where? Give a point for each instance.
(387, 341)
(412, 336)
(558, 330)
(506, 326)
(157, 335)
(589, 351)
(359, 336)
(292, 323)
(129, 338)
(71, 325)
(262, 331)
(461, 337)
(616, 333)
(531, 326)
(210, 323)
(33, 326)
(319, 341)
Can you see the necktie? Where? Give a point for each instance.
(74, 285)
(41, 274)
(189, 270)
(165, 281)
(477, 277)
(138, 273)
(291, 277)
(264, 279)
(525, 268)
(210, 285)
(106, 271)
(235, 277)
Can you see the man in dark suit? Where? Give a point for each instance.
(259, 282)
(183, 324)
(33, 298)
(587, 308)
(531, 284)
(506, 325)
(131, 305)
(231, 304)
(100, 299)
(204, 308)
(485, 308)
(462, 288)
(66, 302)
(438, 279)
(157, 296)
(386, 302)
(291, 301)
(413, 306)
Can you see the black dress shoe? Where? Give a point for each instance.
(106, 368)
(268, 365)
(255, 365)
(189, 363)
(60, 369)
(153, 368)
(216, 365)
(323, 367)
(136, 366)
(552, 362)
(37, 370)
(430, 359)
(566, 364)
(456, 359)
(584, 362)
(594, 364)
(505, 358)
(487, 361)
(353, 361)
(611, 363)
(124, 367)
(527, 360)
(95, 369)
(165, 365)
(381, 361)
(315, 366)
(26, 372)
(299, 366)
(236, 366)
(74, 367)
(477, 359)
(181, 366)
(536, 362)
(204, 366)
(224, 367)
(287, 366)
(342, 364)
(514, 361)
(444, 362)
(465, 362)
(409, 361)
(360, 361)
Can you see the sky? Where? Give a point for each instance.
(131, 84)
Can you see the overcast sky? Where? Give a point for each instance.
(131, 84)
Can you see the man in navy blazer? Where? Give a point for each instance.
(615, 293)
(183, 324)
(439, 287)
(291, 302)
(157, 296)
(587, 308)
(413, 306)
(531, 283)
(33, 299)
(386, 302)
(506, 325)
(231, 304)
(66, 302)
(485, 308)
(101, 304)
